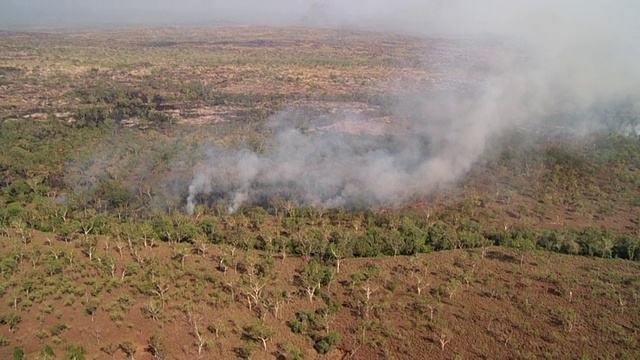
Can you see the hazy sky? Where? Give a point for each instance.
(467, 16)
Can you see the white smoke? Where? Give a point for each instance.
(429, 149)
(563, 65)
(574, 61)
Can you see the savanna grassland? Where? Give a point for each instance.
(532, 254)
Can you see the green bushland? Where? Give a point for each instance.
(52, 180)
(85, 195)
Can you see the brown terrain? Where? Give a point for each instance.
(552, 306)
(115, 295)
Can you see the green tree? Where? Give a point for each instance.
(627, 247)
(129, 348)
(340, 247)
(260, 332)
(442, 236)
(312, 276)
(325, 344)
(157, 347)
(91, 307)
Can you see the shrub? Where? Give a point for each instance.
(42, 334)
(246, 351)
(291, 352)
(325, 344)
(75, 352)
(26, 304)
(125, 301)
(18, 353)
(58, 329)
(91, 307)
(11, 319)
(111, 284)
(47, 352)
(393, 285)
(302, 322)
(116, 315)
(110, 349)
(129, 348)
(157, 347)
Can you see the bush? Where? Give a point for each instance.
(42, 334)
(326, 344)
(157, 347)
(47, 352)
(11, 319)
(627, 247)
(91, 307)
(129, 348)
(58, 329)
(117, 315)
(110, 349)
(18, 353)
(125, 301)
(246, 351)
(75, 352)
(302, 322)
(291, 352)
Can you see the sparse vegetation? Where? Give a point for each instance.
(534, 253)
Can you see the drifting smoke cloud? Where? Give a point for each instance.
(433, 147)
(579, 63)
(579, 58)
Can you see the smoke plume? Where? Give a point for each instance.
(574, 65)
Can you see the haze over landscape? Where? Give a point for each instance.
(331, 179)
(571, 57)
(516, 18)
